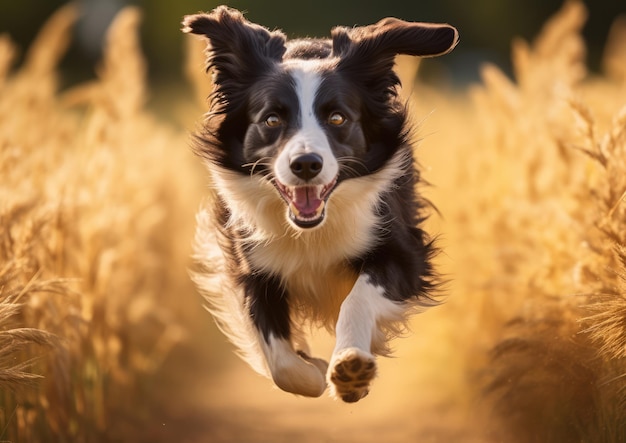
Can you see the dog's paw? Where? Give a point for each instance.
(350, 374)
(319, 363)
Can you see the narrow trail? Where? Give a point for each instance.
(215, 397)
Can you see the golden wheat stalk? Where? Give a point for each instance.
(123, 71)
(16, 340)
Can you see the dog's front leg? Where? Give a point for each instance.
(292, 371)
(353, 365)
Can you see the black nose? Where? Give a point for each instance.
(307, 166)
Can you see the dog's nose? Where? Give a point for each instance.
(307, 166)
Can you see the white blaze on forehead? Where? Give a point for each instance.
(310, 136)
(307, 80)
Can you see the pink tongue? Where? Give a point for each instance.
(305, 199)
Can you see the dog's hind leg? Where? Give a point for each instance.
(292, 371)
(353, 365)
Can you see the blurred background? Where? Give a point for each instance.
(98, 192)
(486, 27)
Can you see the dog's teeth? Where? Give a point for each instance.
(298, 214)
(319, 210)
(294, 210)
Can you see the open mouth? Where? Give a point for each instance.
(307, 203)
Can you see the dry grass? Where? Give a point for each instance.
(95, 227)
(536, 227)
(87, 260)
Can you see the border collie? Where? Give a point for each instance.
(314, 207)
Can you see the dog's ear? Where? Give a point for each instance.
(391, 36)
(237, 48)
(375, 46)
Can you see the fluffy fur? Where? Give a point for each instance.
(315, 207)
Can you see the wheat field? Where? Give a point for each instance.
(103, 337)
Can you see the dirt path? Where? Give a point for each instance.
(215, 397)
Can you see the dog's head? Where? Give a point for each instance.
(308, 115)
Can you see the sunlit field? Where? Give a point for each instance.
(104, 338)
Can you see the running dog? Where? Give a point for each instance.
(315, 207)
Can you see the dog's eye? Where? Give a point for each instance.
(273, 121)
(336, 119)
